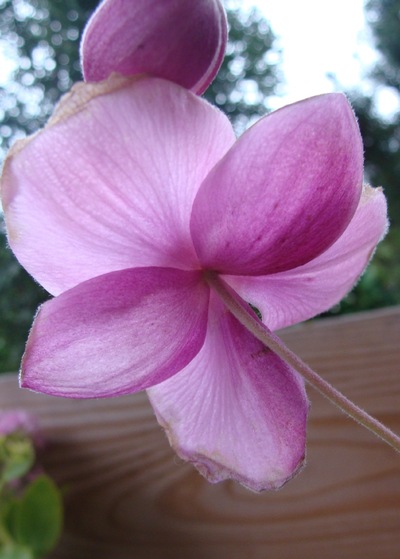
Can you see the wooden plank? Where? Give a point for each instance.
(128, 496)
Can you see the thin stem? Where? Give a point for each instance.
(243, 312)
(5, 538)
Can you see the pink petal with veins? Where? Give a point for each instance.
(285, 191)
(117, 333)
(237, 410)
(180, 40)
(109, 183)
(290, 297)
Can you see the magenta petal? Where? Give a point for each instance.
(285, 191)
(237, 410)
(296, 295)
(117, 333)
(110, 182)
(180, 40)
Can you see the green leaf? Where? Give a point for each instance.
(15, 552)
(17, 455)
(38, 519)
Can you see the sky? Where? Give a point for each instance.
(320, 37)
(317, 38)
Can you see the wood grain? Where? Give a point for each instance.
(128, 496)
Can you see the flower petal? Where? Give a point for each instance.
(296, 295)
(178, 40)
(117, 333)
(237, 410)
(284, 193)
(109, 183)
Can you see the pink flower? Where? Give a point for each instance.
(180, 40)
(19, 421)
(129, 200)
(20, 442)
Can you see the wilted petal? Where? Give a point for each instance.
(117, 333)
(237, 410)
(296, 295)
(284, 193)
(180, 40)
(109, 183)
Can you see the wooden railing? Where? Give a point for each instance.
(129, 497)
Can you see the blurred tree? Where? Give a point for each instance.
(19, 298)
(40, 38)
(384, 19)
(380, 286)
(250, 74)
(382, 135)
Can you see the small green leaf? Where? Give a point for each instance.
(38, 521)
(15, 552)
(10, 513)
(17, 455)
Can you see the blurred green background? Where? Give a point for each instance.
(44, 37)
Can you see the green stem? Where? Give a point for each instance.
(246, 316)
(5, 538)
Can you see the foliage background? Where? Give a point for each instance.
(43, 35)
